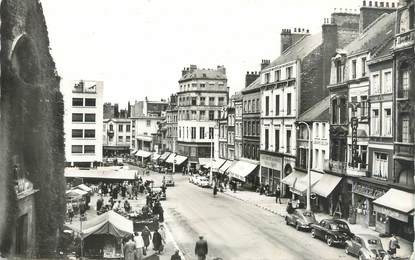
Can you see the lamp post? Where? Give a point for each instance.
(174, 152)
(308, 165)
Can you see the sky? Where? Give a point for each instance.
(139, 47)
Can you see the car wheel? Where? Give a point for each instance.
(297, 226)
(313, 233)
(329, 241)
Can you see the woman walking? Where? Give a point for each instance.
(146, 235)
(157, 242)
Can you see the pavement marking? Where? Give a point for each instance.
(171, 238)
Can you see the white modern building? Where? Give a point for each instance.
(83, 121)
(144, 130)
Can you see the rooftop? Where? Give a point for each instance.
(318, 112)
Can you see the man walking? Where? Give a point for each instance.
(278, 195)
(393, 245)
(201, 248)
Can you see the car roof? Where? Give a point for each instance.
(367, 236)
(336, 221)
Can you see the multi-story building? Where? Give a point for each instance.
(231, 130)
(349, 122)
(83, 122)
(144, 132)
(171, 124)
(113, 111)
(292, 84)
(223, 134)
(202, 94)
(148, 108)
(237, 100)
(116, 136)
(393, 217)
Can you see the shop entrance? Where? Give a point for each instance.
(402, 229)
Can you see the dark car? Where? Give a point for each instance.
(333, 231)
(169, 180)
(366, 247)
(301, 219)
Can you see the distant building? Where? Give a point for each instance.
(148, 108)
(237, 100)
(113, 111)
(116, 137)
(202, 94)
(83, 122)
(171, 124)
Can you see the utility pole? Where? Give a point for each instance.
(174, 152)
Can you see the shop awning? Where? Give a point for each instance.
(164, 156)
(205, 162)
(134, 151)
(241, 169)
(107, 223)
(301, 185)
(100, 173)
(170, 159)
(84, 187)
(217, 163)
(398, 200)
(142, 153)
(180, 159)
(292, 178)
(325, 186)
(225, 166)
(145, 138)
(155, 156)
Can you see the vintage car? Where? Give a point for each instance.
(158, 193)
(203, 182)
(301, 219)
(333, 231)
(169, 180)
(366, 247)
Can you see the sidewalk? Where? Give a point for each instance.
(269, 204)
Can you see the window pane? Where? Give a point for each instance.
(77, 117)
(76, 148)
(77, 102)
(89, 133)
(90, 102)
(89, 117)
(77, 133)
(89, 149)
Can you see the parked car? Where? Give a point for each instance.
(196, 179)
(333, 231)
(157, 191)
(301, 219)
(203, 182)
(366, 247)
(169, 180)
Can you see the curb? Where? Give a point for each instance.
(171, 238)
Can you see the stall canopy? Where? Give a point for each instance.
(107, 223)
(164, 156)
(143, 154)
(241, 169)
(100, 173)
(325, 186)
(225, 167)
(398, 200)
(301, 185)
(293, 177)
(133, 152)
(84, 187)
(75, 193)
(155, 156)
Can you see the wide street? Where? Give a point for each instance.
(235, 229)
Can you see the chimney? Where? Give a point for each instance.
(222, 69)
(368, 14)
(286, 39)
(264, 64)
(250, 77)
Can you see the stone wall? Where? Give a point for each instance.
(31, 123)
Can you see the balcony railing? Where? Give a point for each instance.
(403, 93)
(404, 39)
(404, 149)
(335, 166)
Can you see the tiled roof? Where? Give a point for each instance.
(374, 35)
(254, 85)
(300, 49)
(383, 50)
(318, 112)
(204, 73)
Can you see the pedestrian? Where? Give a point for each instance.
(123, 191)
(162, 232)
(161, 214)
(157, 242)
(130, 190)
(139, 246)
(176, 256)
(235, 186)
(278, 195)
(393, 245)
(100, 202)
(201, 248)
(146, 235)
(215, 190)
(69, 210)
(127, 206)
(129, 249)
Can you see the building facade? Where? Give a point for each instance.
(202, 94)
(144, 133)
(171, 124)
(116, 137)
(237, 100)
(83, 122)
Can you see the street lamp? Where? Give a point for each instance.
(309, 165)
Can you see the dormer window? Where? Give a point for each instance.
(339, 71)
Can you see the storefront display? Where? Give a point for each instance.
(363, 196)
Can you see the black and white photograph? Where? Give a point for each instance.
(207, 129)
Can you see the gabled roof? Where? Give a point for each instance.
(383, 50)
(375, 34)
(254, 85)
(204, 73)
(318, 112)
(300, 49)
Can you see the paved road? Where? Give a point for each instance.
(234, 229)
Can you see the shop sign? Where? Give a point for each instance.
(271, 162)
(367, 191)
(391, 213)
